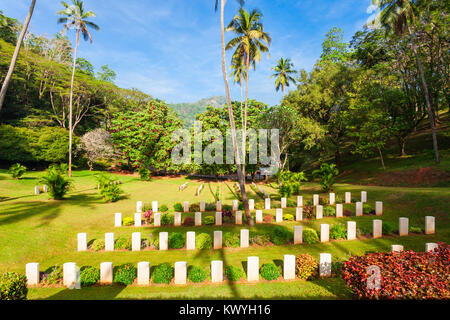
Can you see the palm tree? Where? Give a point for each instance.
(16, 53)
(283, 74)
(238, 74)
(250, 42)
(398, 16)
(75, 18)
(241, 177)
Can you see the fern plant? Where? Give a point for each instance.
(57, 184)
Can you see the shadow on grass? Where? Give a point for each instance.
(92, 293)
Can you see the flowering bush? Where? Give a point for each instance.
(89, 276)
(52, 275)
(403, 275)
(306, 266)
(308, 212)
(125, 274)
(227, 215)
(268, 218)
(148, 216)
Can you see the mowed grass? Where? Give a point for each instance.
(36, 229)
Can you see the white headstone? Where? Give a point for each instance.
(259, 216)
(244, 239)
(157, 219)
(45, 188)
(378, 208)
(32, 273)
(348, 197)
(139, 206)
(430, 246)
(299, 214)
(429, 225)
(136, 241)
(251, 204)
(267, 203)
(70, 278)
(299, 201)
(332, 198)
(377, 229)
(396, 248)
(218, 218)
(198, 218)
(106, 273)
(238, 217)
(279, 215)
(325, 265)
(289, 267)
(315, 199)
(363, 196)
(163, 241)
(217, 239)
(155, 206)
(218, 206)
(339, 210)
(235, 205)
(138, 219)
(118, 219)
(319, 211)
(177, 219)
(283, 203)
(180, 272)
(186, 206)
(216, 271)
(82, 241)
(351, 230)
(252, 269)
(324, 232)
(190, 240)
(298, 234)
(403, 226)
(109, 241)
(143, 273)
(359, 209)
(202, 206)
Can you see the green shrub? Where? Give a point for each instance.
(125, 274)
(388, 228)
(260, 239)
(234, 273)
(286, 190)
(108, 188)
(176, 240)
(164, 208)
(89, 276)
(269, 271)
(310, 236)
(17, 170)
(13, 286)
(196, 274)
(338, 231)
(306, 266)
(144, 174)
(163, 273)
(52, 275)
(326, 174)
(329, 211)
(208, 220)
(279, 235)
(210, 207)
(122, 244)
(231, 239)
(203, 241)
(57, 184)
(288, 217)
(178, 207)
(167, 219)
(98, 244)
(415, 230)
(128, 221)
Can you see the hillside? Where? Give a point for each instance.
(188, 110)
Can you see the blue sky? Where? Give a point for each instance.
(171, 48)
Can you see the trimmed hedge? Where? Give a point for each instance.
(176, 240)
(234, 273)
(269, 271)
(163, 273)
(196, 274)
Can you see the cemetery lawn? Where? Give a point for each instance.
(35, 229)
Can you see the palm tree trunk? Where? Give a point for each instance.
(230, 115)
(427, 96)
(15, 55)
(71, 101)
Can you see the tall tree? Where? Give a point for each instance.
(16, 54)
(283, 74)
(399, 16)
(75, 17)
(241, 176)
(238, 74)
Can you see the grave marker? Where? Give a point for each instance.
(259, 216)
(238, 217)
(218, 206)
(279, 215)
(106, 273)
(177, 219)
(136, 241)
(319, 211)
(217, 239)
(396, 248)
(378, 208)
(157, 219)
(267, 203)
(403, 226)
(298, 234)
(118, 219)
(298, 214)
(283, 203)
(339, 210)
(109, 241)
(348, 197)
(190, 240)
(351, 230)
(324, 232)
(32, 273)
(186, 206)
(198, 218)
(155, 206)
(202, 206)
(252, 268)
(143, 273)
(299, 201)
(325, 265)
(139, 206)
(218, 218)
(315, 199)
(163, 241)
(235, 205)
(244, 238)
(430, 246)
(363, 196)
(359, 209)
(82, 241)
(180, 272)
(332, 198)
(289, 267)
(429, 225)
(251, 204)
(377, 229)
(138, 219)
(216, 271)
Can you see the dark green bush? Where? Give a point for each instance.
(13, 286)
(279, 235)
(144, 173)
(178, 207)
(231, 239)
(17, 170)
(196, 274)
(57, 184)
(163, 273)
(389, 228)
(306, 266)
(167, 219)
(329, 211)
(310, 236)
(203, 241)
(269, 271)
(260, 239)
(125, 274)
(108, 188)
(338, 231)
(176, 240)
(89, 276)
(164, 208)
(415, 229)
(122, 244)
(234, 273)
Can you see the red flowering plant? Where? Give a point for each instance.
(227, 215)
(308, 212)
(400, 275)
(148, 216)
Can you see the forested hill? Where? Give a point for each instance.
(188, 110)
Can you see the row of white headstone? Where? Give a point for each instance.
(377, 232)
(37, 190)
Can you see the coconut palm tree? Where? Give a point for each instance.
(75, 17)
(16, 53)
(283, 74)
(398, 16)
(241, 177)
(250, 42)
(238, 74)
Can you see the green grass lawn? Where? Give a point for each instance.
(35, 229)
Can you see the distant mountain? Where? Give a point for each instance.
(188, 110)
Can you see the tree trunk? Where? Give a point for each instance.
(337, 157)
(402, 143)
(427, 96)
(230, 115)
(382, 160)
(71, 102)
(15, 55)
